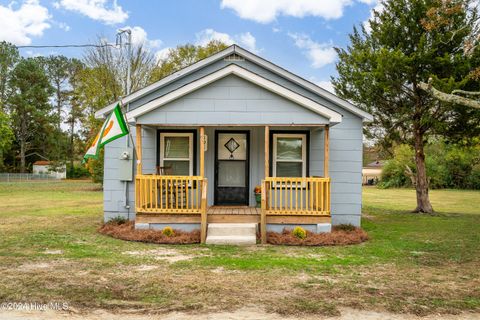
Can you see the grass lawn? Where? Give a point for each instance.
(50, 251)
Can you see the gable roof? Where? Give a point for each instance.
(249, 56)
(332, 116)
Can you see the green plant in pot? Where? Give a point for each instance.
(258, 195)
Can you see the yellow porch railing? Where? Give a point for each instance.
(296, 196)
(170, 194)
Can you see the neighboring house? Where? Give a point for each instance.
(237, 121)
(45, 167)
(372, 172)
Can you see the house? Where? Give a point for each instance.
(204, 137)
(372, 172)
(45, 167)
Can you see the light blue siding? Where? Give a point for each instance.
(113, 188)
(345, 168)
(233, 100)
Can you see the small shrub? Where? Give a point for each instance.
(168, 231)
(118, 220)
(95, 167)
(345, 227)
(77, 171)
(299, 232)
(335, 238)
(393, 173)
(473, 180)
(448, 166)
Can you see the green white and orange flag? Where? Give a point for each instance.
(113, 128)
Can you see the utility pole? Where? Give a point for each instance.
(121, 33)
(128, 44)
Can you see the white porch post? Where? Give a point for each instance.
(202, 152)
(326, 142)
(139, 148)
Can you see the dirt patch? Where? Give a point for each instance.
(127, 231)
(250, 312)
(338, 236)
(34, 266)
(144, 268)
(53, 251)
(169, 255)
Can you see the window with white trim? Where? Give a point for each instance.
(176, 153)
(289, 157)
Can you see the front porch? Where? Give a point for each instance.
(183, 199)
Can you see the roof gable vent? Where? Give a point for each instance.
(234, 57)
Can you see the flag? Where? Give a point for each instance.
(113, 128)
(92, 152)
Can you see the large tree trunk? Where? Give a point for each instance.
(59, 105)
(22, 156)
(72, 129)
(23, 144)
(423, 200)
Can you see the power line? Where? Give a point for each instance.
(70, 46)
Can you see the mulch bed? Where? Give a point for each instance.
(341, 235)
(127, 231)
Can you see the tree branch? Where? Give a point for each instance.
(446, 97)
(467, 93)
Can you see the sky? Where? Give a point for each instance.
(298, 35)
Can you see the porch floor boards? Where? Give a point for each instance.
(234, 210)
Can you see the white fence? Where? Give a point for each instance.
(20, 177)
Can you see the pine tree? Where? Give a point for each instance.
(382, 67)
(29, 105)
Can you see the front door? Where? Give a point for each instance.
(231, 167)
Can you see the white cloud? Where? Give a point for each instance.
(19, 25)
(101, 10)
(378, 7)
(207, 35)
(140, 37)
(319, 54)
(162, 54)
(62, 25)
(265, 11)
(33, 54)
(246, 39)
(325, 84)
(369, 2)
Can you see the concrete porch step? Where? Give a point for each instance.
(233, 240)
(232, 233)
(229, 229)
